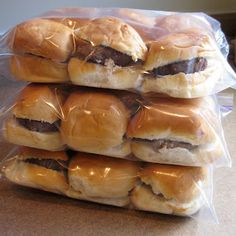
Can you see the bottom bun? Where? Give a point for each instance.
(120, 202)
(35, 176)
(200, 156)
(95, 75)
(185, 85)
(19, 135)
(37, 69)
(121, 151)
(102, 177)
(143, 198)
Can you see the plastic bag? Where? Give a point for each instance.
(119, 124)
(150, 187)
(179, 54)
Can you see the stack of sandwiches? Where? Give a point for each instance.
(82, 134)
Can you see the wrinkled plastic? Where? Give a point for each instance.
(183, 191)
(40, 65)
(114, 123)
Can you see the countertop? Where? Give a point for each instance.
(25, 211)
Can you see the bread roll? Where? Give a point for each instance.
(44, 38)
(103, 177)
(109, 54)
(95, 122)
(175, 131)
(35, 118)
(170, 189)
(184, 64)
(38, 169)
(36, 69)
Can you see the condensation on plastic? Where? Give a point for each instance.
(115, 123)
(183, 191)
(149, 25)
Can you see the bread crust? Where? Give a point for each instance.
(35, 176)
(183, 85)
(115, 33)
(103, 177)
(93, 122)
(172, 119)
(181, 183)
(142, 198)
(180, 46)
(99, 76)
(119, 202)
(40, 103)
(170, 189)
(200, 156)
(36, 69)
(14, 133)
(45, 38)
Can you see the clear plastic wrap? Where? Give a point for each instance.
(114, 123)
(132, 139)
(166, 189)
(179, 54)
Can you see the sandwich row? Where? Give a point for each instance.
(117, 124)
(109, 53)
(151, 187)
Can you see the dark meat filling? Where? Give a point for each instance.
(164, 143)
(100, 54)
(57, 165)
(188, 67)
(39, 126)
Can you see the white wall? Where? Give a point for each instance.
(13, 11)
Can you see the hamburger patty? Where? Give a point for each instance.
(100, 54)
(187, 67)
(39, 126)
(164, 143)
(57, 165)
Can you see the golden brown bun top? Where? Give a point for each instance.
(178, 47)
(180, 22)
(175, 119)
(180, 183)
(39, 102)
(72, 22)
(114, 33)
(97, 102)
(94, 119)
(98, 168)
(32, 153)
(42, 37)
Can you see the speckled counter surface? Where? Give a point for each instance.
(25, 211)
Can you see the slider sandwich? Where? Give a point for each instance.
(102, 179)
(184, 64)
(175, 131)
(177, 190)
(109, 54)
(35, 119)
(43, 48)
(39, 169)
(95, 122)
